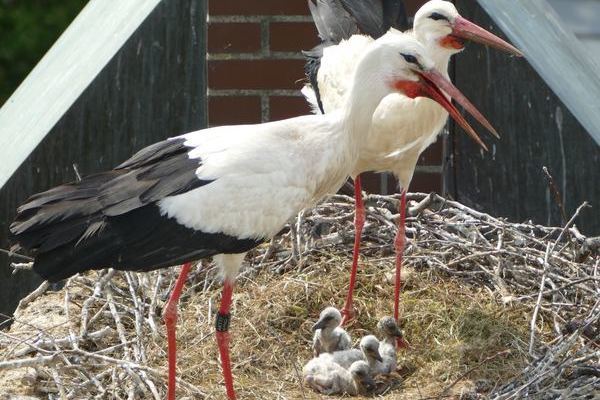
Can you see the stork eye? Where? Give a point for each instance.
(438, 17)
(410, 58)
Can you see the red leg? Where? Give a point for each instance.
(223, 318)
(170, 318)
(359, 223)
(399, 247)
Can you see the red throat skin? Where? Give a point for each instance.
(452, 42)
(408, 88)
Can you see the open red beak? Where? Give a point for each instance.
(448, 87)
(430, 85)
(465, 29)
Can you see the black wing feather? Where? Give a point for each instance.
(334, 23)
(368, 16)
(57, 216)
(112, 219)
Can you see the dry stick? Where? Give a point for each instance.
(34, 295)
(136, 366)
(42, 345)
(29, 362)
(556, 193)
(538, 302)
(118, 324)
(73, 339)
(14, 254)
(549, 249)
(473, 368)
(152, 307)
(138, 349)
(522, 256)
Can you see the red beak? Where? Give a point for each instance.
(465, 29)
(429, 86)
(448, 87)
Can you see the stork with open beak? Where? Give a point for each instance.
(220, 191)
(402, 128)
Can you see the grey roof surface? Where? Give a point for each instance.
(556, 54)
(66, 70)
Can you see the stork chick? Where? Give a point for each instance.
(388, 345)
(369, 352)
(329, 336)
(329, 378)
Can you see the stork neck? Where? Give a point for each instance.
(365, 96)
(441, 58)
(438, 54)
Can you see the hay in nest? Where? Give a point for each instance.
(491, 309)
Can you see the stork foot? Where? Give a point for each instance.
(348, 314)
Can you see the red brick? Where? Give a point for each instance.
(233, 38)
(255, 74)
(231, 110)
(293, 36)
(283, 107)
(434, 154)
(258, 7)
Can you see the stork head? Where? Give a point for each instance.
(388, 328)
(370, 348)
(407, 69)
(361, 375)
(439, 25)
(329, 318)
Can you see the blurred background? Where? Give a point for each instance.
(178, 73)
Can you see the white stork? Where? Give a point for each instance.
(402, 127)
(217, 192)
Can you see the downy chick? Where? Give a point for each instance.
(329, 336)
(328, 377)
(388, 345)
(369, 352)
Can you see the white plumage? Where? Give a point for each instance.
(329, 336)
(215, 192)
(402, 128)
(330, 378)
(368, 352)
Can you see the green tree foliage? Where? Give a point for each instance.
(28, 28)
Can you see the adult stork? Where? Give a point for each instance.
(218, 192)
(402, 127)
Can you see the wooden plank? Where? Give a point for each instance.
(155, 87)
(537, 130)
(555, 53)
(81, 52)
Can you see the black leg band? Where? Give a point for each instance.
(223, 322)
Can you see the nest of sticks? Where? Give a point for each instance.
(491, 309)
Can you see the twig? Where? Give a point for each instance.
(34, 295)
(473, 368)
